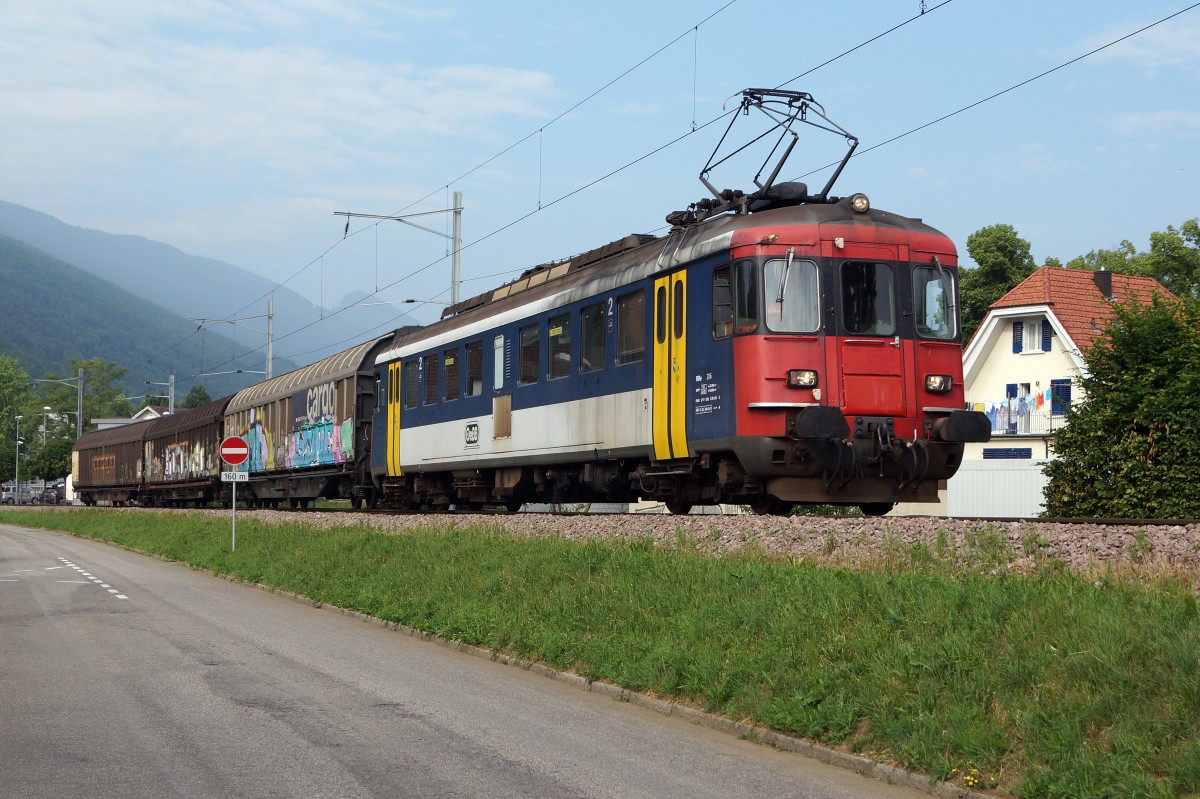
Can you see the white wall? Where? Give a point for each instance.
(997, 488)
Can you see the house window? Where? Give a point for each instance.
(1013, 453)
(1032, 335)
(1060, 396)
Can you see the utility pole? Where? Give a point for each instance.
(77, 381)
(270, 333)
(170, 384)
(455, 237)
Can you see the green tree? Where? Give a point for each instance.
(14, 398)
(1123, 260)
(53, 461)
(1131, 448)
(1174, 259)
(102, 394)
(1002, 261)
(197, 395)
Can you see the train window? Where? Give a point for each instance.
(431, 379)
(591, 338)
(868, 299)
(745, 296)
(530, 355)
(474, 368)
(499, 363)
(793, 300)
(722, 303)
(677, 310)
(660, 314)
(450, 362)
(933, 302)
(631, 328)
(560, 346)
(412, 383)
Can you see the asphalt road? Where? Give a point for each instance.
(124, 676)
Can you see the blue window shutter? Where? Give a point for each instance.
(1045, 335)
(1010, 391)
(1060, 396)
(1017, 326)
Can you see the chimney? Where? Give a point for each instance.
(1103, 280)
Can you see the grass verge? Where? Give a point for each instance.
(1044, 686)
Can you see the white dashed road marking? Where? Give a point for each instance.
(88, 575)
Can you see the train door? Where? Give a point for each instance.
(670, 389)
(392, 427)
(871, 350)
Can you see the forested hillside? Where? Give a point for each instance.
(52, 312)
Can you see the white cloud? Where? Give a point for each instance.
(153, 79)
(1174, 44)
(1174, 122)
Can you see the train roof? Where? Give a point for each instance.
(189, 418)
(646, 254)
(343, 364)
(113, 436)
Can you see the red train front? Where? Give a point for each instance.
(833, 369)
(832, 372)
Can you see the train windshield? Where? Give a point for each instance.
(868, 299)
(933, 302)
(793, 297)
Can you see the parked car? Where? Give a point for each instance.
(52, 495)
(22, 497)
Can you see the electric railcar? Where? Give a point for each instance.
(804, 353)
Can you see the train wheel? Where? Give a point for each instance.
(876, 508)
(679, 508)
(771, 506)
(356, 503)
(513, 505)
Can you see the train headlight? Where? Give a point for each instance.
(802, 378)
(860, 204)
(938, 384)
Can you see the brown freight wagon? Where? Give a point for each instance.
(182, 459)
(106, 465)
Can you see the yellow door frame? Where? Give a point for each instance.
(670, 388)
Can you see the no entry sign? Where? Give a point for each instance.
(234, 450)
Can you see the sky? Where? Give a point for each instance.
(237, 129)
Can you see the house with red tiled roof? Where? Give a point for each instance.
(1023, 368)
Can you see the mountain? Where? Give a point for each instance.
(192, 286)
(52, 312)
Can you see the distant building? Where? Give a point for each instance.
(1023, 368)
(148, 412)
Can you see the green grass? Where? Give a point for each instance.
(1044, 686)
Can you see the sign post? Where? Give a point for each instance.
(234, 452)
